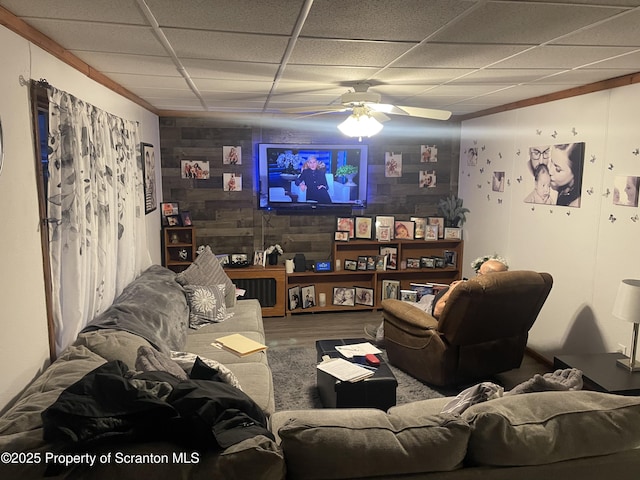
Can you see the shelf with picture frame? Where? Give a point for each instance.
(405, 262)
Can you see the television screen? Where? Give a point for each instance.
(312, 176)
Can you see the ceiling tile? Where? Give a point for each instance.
(447, 55)
(346, 53)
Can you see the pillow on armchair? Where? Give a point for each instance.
(206, 270)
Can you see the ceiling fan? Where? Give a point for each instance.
(361, 101)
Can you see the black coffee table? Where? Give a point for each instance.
(376, 391)
(601, 372)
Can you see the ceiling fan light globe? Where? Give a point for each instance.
(360, 126)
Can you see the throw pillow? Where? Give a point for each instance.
(206, 270)
(206, 305)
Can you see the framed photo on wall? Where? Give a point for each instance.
(149, 174)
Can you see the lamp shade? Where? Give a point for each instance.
(627, 304)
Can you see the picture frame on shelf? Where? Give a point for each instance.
(363, 228)
(341, 236)
(293, 294)
(344, 296)
(168, 209)
(364, 296)
(390, 289)
(392, 256)
(346, 224)
(450, 258)
(385, 221)
(413, 263)
(408, 295)
(351, 265)
(259, 257)
(149, 175)
(384, 233)
(185, 218)
(381, 263)
(362, 262)
(173, 221)
(421, 223)
(239, 259)
(404, 230)
(308, 296)
(452, 233)
(437, 221)
(431, 233)
(223, 258)
(427, 262)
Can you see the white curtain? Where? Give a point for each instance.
(95, 210)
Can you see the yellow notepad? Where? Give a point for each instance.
(239, 344)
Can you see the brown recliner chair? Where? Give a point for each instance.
(482, 331)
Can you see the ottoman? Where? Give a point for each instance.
(377, 391)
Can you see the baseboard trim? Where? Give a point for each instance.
(539, 357)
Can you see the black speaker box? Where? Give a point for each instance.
(300, 263)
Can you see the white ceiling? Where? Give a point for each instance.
(259, 56)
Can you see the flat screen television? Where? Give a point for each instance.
(307, 177)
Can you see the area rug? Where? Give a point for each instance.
(294, 380)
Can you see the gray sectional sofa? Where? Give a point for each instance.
(580, 434)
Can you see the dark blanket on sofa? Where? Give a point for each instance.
(111, 403)
(165, 325)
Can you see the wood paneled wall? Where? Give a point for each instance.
(231, 223)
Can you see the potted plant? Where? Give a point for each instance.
(452, 210)
(348, 171)
(273, 252)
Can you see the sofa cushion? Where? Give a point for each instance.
(206, 305)
(206, 270)
(547, 427)
(153, 306)
(364, 443)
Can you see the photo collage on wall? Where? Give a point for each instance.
(427, 177)
(200, 170)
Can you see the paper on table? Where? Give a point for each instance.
(344, 370)
(348, 351)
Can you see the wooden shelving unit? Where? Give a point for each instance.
(406, 249)
(178, 247)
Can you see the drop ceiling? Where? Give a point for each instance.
(258, 57)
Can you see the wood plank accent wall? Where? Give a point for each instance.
(230, 222)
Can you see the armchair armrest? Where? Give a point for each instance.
(407, 317)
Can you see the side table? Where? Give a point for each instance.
(600, 372)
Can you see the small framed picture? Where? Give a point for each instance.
(294, 298)
(384, 233)
(223, 258)
(232, 155)
(148, 173)
(345, 224)
(421, 223)
(371, 263)
(381, 263)
(308, 295)
(450, 258)
(392, 256)
(408, 295)
(239, 258)
(259, 258)
(351, 265)
(390, 289)
(451, 233)
(364, 296)
(363, 228)
(413, 263)
(404, 230)
(440, 222)
(344, 296)
(431, 232)
(341, 236)
(362, 262)
(169, 208)
(426, 262)
(185, 217)
(385, 221)
(173, 221)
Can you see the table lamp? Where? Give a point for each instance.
(627, 307)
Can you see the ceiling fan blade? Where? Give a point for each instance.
(379, 116)
(425, 112)
(316, 109)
